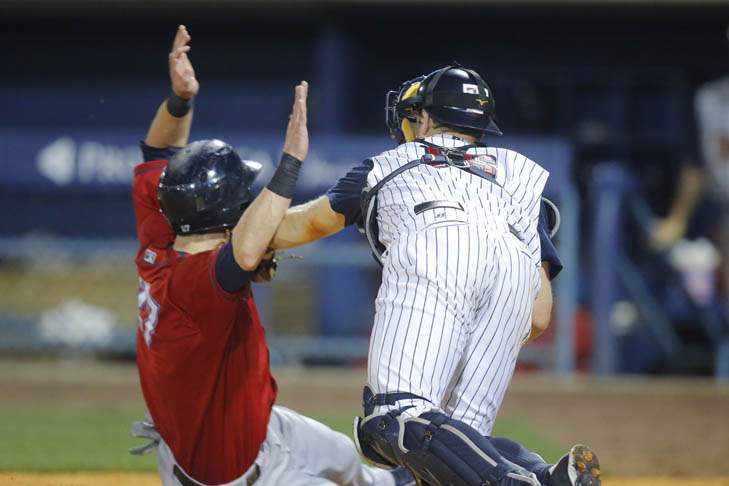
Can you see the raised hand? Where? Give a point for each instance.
(297, 134)
(182, 75)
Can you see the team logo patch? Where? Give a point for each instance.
(484, 163)
(470, 88)
(150, 256)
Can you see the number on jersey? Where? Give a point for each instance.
(148, 311)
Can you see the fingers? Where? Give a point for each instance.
(304, 90)
(182, 37)
(301, 92)
(178, 57)
(303, 99)
(177, 53)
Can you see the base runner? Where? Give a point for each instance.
(201, 350)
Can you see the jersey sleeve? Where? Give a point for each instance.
(549, 252)
(345, 196)
(229, 275)
(152, 227)
(527, 183)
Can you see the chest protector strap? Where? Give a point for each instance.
(436, 156)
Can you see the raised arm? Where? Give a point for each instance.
(253, 233)
(171, 124)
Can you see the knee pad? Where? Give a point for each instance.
(374, 438)
(376, 435)
(442, 451)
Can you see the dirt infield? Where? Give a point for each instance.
(676, 427)
(640, 427)
(79, 479)
(151, 479)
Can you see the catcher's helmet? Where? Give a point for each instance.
(206, 187)
(453, 95)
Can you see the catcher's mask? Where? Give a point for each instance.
(400, 110)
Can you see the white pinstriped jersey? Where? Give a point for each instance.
(510, 201)
(459, 279)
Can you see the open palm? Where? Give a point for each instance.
(182, 74)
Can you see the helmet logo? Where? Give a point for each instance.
(185, 228)
(482, 102)
(470, 88)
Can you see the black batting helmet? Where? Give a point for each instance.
(206, 187)
(454, 96)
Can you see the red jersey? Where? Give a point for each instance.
(201, 351)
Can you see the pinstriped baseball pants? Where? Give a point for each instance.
(452, 312)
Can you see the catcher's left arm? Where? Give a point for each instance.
(542, 311)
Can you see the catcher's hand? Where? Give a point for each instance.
(266, 269)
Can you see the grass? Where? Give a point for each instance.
(69, 439)
(89, 439)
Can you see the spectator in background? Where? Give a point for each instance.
(688, 194)
(711, 108)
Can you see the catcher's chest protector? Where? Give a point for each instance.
(442, 180)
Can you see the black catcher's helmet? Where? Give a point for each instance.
(453, 95)
(206, 187)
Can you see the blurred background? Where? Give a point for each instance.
(622, 100)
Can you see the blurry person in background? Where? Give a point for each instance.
(668, 230)
(712, 115)
(201, 349)
(702, 195)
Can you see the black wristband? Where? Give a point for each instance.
(178, 107)
(283, 181)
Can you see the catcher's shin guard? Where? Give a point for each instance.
(442, 451)
(438, 450)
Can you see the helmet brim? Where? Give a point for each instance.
(493, 128)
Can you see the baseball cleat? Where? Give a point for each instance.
(579, 467)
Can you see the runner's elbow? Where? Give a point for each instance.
(246, 259)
